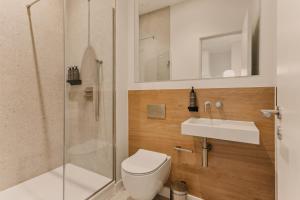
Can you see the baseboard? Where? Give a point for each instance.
(165, 192)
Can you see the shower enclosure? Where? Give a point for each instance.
(89, 139)
(57, 139)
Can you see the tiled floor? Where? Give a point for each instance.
(124, 195)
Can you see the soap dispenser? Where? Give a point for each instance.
(76, 73)
(72, 73)
(193, 101)
(69, 73)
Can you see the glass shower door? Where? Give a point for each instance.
(89, 97)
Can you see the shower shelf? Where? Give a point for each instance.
(74, 82)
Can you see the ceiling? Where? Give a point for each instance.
(146, 6)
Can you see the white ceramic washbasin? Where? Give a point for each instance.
(237, 131)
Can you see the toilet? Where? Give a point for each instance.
(145, 173)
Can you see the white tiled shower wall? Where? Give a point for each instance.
(31, 97)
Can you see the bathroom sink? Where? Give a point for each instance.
(236, 131)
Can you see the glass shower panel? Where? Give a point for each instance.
(89, 138)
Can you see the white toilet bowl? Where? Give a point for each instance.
(145, 173)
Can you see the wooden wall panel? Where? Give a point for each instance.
(236, 171)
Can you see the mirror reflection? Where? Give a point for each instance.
(197, 39)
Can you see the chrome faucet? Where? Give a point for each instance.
(219, 105)
(207, 106)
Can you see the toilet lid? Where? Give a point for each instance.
(143, 162)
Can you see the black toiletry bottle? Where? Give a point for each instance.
(193, 101)
(76, 73)
(69, 73)
(72, 73)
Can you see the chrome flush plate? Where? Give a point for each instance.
(156, 111)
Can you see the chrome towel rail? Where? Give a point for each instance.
(179, 148)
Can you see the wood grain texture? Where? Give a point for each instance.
(236, 171)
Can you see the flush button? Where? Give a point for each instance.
(156, 111)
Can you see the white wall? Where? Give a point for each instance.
(219, 62)
(267, 53)
(236, 56)
(147, 6)
(288, 72)
(121, 83)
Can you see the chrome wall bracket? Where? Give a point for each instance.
(270, 113)
(179, 148)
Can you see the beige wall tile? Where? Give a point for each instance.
(31, 97)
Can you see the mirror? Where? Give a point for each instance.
(196, 39)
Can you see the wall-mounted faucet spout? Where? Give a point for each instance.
(207, 106)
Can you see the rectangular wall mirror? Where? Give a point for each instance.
(196, 39)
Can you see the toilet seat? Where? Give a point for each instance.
(144, 162)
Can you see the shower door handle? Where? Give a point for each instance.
(99, 66)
